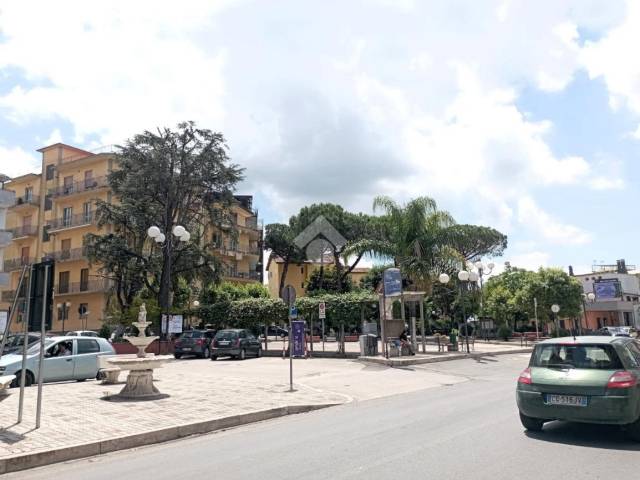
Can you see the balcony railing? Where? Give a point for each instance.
(71, 221)
(24, 200)
(17, 263)
(82, 186)
(230, 249)
(243, 275)
(252, 223)
(25, 231)
(69, 255)
(8, 295)
(89, 286)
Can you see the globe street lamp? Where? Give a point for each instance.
(555, 308)
(467, 279)
(167, 242)
(590, 297)
(483, 270)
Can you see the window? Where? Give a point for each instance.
(84, 279)
(634, 349)
(49, 172)
(68, 184)
(592, 357)
(63, 282)
(63, 312)
(67, 215)
(88, 179)
(86, 211)
(45, 233)
(24, 254)
(302, 270)
(26, 220)
(83, 309)
(65, 247)
(48, 204)
(243, 334)
(28, 194)
(87, 346)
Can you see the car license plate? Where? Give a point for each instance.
(223, 343)
(188, 349)
(568, 400)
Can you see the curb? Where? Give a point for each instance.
(401, 362)
(315, 354)
(74, 452)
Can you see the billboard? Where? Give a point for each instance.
(392, 281)
(607, 289)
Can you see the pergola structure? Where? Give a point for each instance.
(393, 328)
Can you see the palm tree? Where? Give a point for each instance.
(415, 237)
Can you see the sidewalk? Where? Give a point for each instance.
(204, 396)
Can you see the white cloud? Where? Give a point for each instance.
(537, 221)
(14, 161)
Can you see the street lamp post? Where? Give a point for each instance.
(63, 308)
(555, 308)
(591, 298)
(167, 244)
(482, 271)
(466, 280)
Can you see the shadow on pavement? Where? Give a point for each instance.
(485, 359)
(610, 437)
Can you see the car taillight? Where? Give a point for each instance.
(525, 377)
(237, 342)
(622, 379)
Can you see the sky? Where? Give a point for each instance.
(520, 115)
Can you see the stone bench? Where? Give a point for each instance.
(110, 375)
(5, 383)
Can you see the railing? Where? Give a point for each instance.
(17, 263)
(25, 231)
(7, 296)
(72, 221)
(232, 249)
(89, 153)
(68, 255)
(244, 275)
(82, 287)
(27, 200)
(252, 223)
(78, 187)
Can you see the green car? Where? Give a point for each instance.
(582, 379)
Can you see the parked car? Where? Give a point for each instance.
(273, 331)
(235, 343)
(194, 342)
(81, 333)
(591, 379)
(15, 341)
(617, 331)
(65, 358)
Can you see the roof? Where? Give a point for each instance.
(43, 149)
(23, 177)
(588, 339)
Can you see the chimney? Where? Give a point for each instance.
(622, 266)
(571, 271)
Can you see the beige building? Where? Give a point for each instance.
(299, 274)
(55, 209)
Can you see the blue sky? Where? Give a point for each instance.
(515, 114)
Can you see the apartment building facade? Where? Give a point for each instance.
(54, 210)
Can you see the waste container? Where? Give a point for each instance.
(368, 345)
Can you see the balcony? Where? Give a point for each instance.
(242, 275)
(90, 286)
(83, 186)
(26, 201)
(69, 255)
(25, 231)
(8, 295)
(72, 221)
(232, 250)
(17, 263)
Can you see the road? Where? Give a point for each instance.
(467, 430)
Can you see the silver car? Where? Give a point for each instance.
(65, 358)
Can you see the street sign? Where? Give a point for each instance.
(322, 312)
(288, 294)
(297, 337)
(293, 312)
(392, 281)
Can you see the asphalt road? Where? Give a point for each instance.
(469, 430)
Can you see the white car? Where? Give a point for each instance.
(65, 358)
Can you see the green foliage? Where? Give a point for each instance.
(504, 332)
(279, 239)
(344, 308)
(373, 279)
(475, 241)
(181, 293)
(509, 297)
(105, 331)
(328, 280)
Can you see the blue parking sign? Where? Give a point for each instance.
(293, 313)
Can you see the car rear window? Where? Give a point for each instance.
(191, 335)
(597, 357)
(226, 335)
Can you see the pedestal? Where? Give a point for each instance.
(139, 385)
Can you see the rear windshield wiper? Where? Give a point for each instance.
(560, 365)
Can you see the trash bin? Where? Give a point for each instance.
(368, 345)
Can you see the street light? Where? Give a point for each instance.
(63, 308)
(483, 270)
(159, 237)
(466, 279)
(591, 298)
(555, 308)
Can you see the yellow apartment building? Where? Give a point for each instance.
(299, 274)
(55, 209)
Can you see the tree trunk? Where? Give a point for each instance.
(283, 276)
